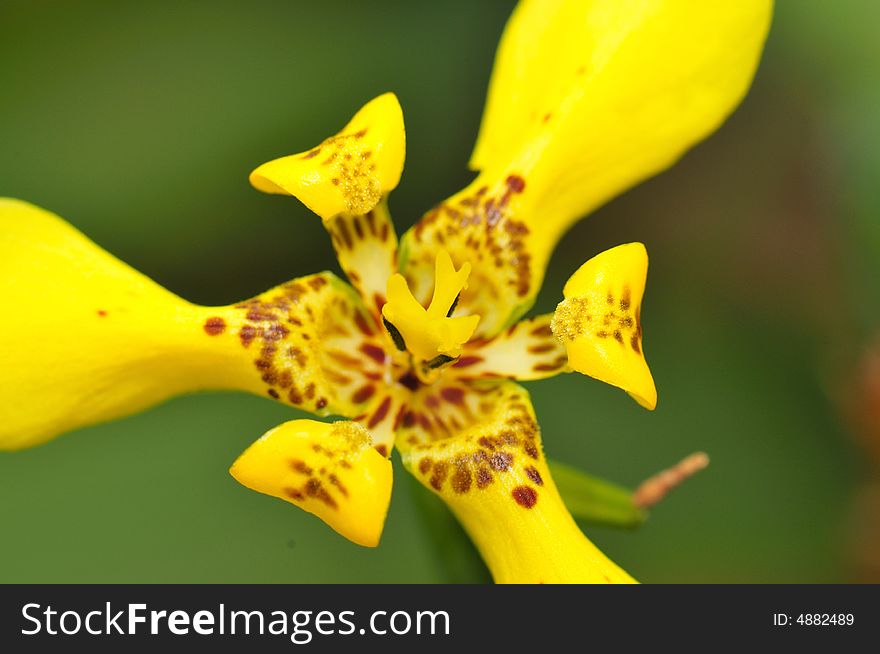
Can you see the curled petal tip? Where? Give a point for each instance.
(599, 322)
(329, 470)
(349, 172)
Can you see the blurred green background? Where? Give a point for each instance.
(139, 123)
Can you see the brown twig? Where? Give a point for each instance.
(655, 488)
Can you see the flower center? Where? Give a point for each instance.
(432, 337)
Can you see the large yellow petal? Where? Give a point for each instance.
(479, 448)
(587, 98)
(88, 339)
(329, 470)
(346, 180)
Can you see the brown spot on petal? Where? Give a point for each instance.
(543, 330)
(300, 466)
(441, 469)
(516, 183)
(461, 479)
(314, 488)
(247, 334)
(294, 494)
(361, 322)
(213, 326)
(501, 461)
(375, 352)
(453, 395)
(533, 474)
(484, 478)
(381, 413)
(525, 496)
(363, 394)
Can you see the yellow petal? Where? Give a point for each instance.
(479, 449)
(587, 98)
(88, 339)
(348, 172)
(599, 322)
(346, 180)
(595, 95)
(329, 470)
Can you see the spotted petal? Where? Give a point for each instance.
(89, 339)
(478, 446)
(346, 180)
(587, 98)
(329, 470)
(599, 322)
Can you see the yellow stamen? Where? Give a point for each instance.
(430, 333)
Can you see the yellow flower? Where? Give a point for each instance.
(423, 350)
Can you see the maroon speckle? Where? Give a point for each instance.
(375, 352)
(453, 395)
(500, 461)
(380, 414)
(409, 380)
(275, 332)
(516, 183)
(257, 314)
(362, 324)
(214, 326)
(484, 478)
(398, 418)
(363, 394)
(247, 334)
(533, 474)
(525, 496)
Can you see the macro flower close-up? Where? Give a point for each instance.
(421, 350)
(418, 351)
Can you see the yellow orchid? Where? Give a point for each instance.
(422, 350)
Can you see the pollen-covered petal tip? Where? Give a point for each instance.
(328, 469)
(348, 173)
(599, 321)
